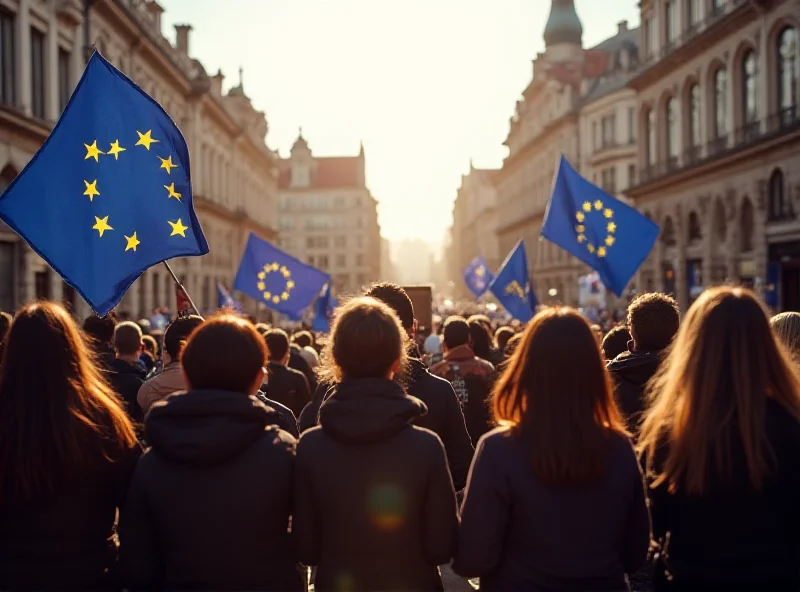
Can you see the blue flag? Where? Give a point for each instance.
(277, 279)
(512, 286)
(608, 235)
(477, 276)
(109, 193)
(323, 310)
(225, 300)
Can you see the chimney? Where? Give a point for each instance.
(622, 27)
(216, 83)
(182, 38)
(155, 10)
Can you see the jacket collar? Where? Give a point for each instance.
(460, 353)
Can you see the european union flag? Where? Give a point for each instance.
(116, 145)
(323, 310)
(512, 286)
(477, 276)
(277, 279)
(609, 236)
(226, 301)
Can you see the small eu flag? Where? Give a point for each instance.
(277, 279)
(323, 310)
(477, 276)
(512, 286)
(608, 235)
(109, 193)
(226, 301)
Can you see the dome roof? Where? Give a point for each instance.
(563, 26)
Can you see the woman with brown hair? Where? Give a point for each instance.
(375, 506)
(721, 443)
(67, 451)
(210, 501)
(555, 498)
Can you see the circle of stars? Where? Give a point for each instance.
(601, 250)
(275, 297)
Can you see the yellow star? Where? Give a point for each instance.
(101, 225)
(587, 207)
(581, 238)
(608, 213)
(580, 228)
(611, 227)
(178, 228)
(598, 205)
(145, 139)
(172, 192)
(115, 149)
(91, 189)
(610, 240)
(285, 296)
(276, 299)
(133, 242)
(601, 252)
(267, 295)
(93, 152)
(284, 270)
(261, 276)
(590, 246)
(261, 285)
(580, 216)
(166, 163)
(289, 285)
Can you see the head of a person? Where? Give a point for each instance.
(456, 332)
(482, 319)
(367, 340)
(144, 325)
(56, 423)
(277, 345)
(128, 339)
(653, 321)
(225, 353)
(787, 327)
(615, 342)
(150, 346)
(100, 329)
(262, 328)
(303, 339)
(398, 300)
(480, 339)
(712, 390)
(564, 413)
(512, 345)
(176, 334)
(501, 337)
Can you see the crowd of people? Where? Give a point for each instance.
(222, 454)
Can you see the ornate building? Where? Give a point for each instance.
(719, 155)
(235, 182)
(328, 218)
(562, 111)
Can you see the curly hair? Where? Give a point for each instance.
(653, 321)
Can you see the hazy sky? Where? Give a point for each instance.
(425, 84)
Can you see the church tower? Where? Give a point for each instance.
(563, 34)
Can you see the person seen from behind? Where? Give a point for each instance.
(374, 497)
(721, 443)
(615, 342)
(126, 373)
(472, 378)
(67, 452)
(786, 326)
(653, 321)
(555, 498)
(501, 338)
(100, 331)
(171, 379)
(210, 501)
(284, 385)
(149, 353)
(480, 328)
(305, 341)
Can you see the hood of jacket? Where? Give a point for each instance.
(459, 354)
(635, 367)
(124, 367)
(206, 427)
(368, 410)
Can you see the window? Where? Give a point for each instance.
(322, 262)
(749, 88)
(668, 233)
(311, 260)
(779, 207)
(340, 242)
(631, 125)
(341, 261)
(672, 130)
(595, 142)
(720, 103)
(746, 226)
(63, 78)
(694, 116)
(360, 260)
(649, 38)
(609, 123)
(7, 90)
(37, 73)
(694, 12)
(695, 230)
(631, 175)
(788, 69)
(651, 153)
(671, 23)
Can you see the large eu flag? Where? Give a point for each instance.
(478, 276)
(109, 193)
(608, 235)
(277, 279)
(512, 285)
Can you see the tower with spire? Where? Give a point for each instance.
(563, 34)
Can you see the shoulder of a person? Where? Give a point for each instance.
(485, 364)
(499, 438)
(311, 438)
(427, 441)
(274, 437)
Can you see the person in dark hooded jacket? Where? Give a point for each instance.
(653, 321)
(126, 373)
(375, 505)
(210, 503)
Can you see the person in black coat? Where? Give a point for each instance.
(299, 363)
(375, 507)
(126, 373)
(210, 503)
(285, 385)
(100, 331)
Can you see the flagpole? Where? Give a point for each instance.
(182, 289)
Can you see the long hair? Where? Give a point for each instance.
(57, 414)
(481, 340)
(556, 395)
(709, 396)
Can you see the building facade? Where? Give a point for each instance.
(328, 218)
(719, 150)
(549, 121)
(234, 185)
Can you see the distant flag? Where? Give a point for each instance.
(512, 285)
(323, 310)
(182, 301)
(608, 235)
(226, 301)
(477, 276)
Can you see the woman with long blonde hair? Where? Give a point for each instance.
(555, 498)
(721, 442)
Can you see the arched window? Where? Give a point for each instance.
(746, 222)
(668, 232)
(749, 88)
(788, 71)
(695, 230)
(779, 207)
(651, 154)
(720, 226)
(694, 115)
(7, 175)
(672, 131)
(720, 103)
